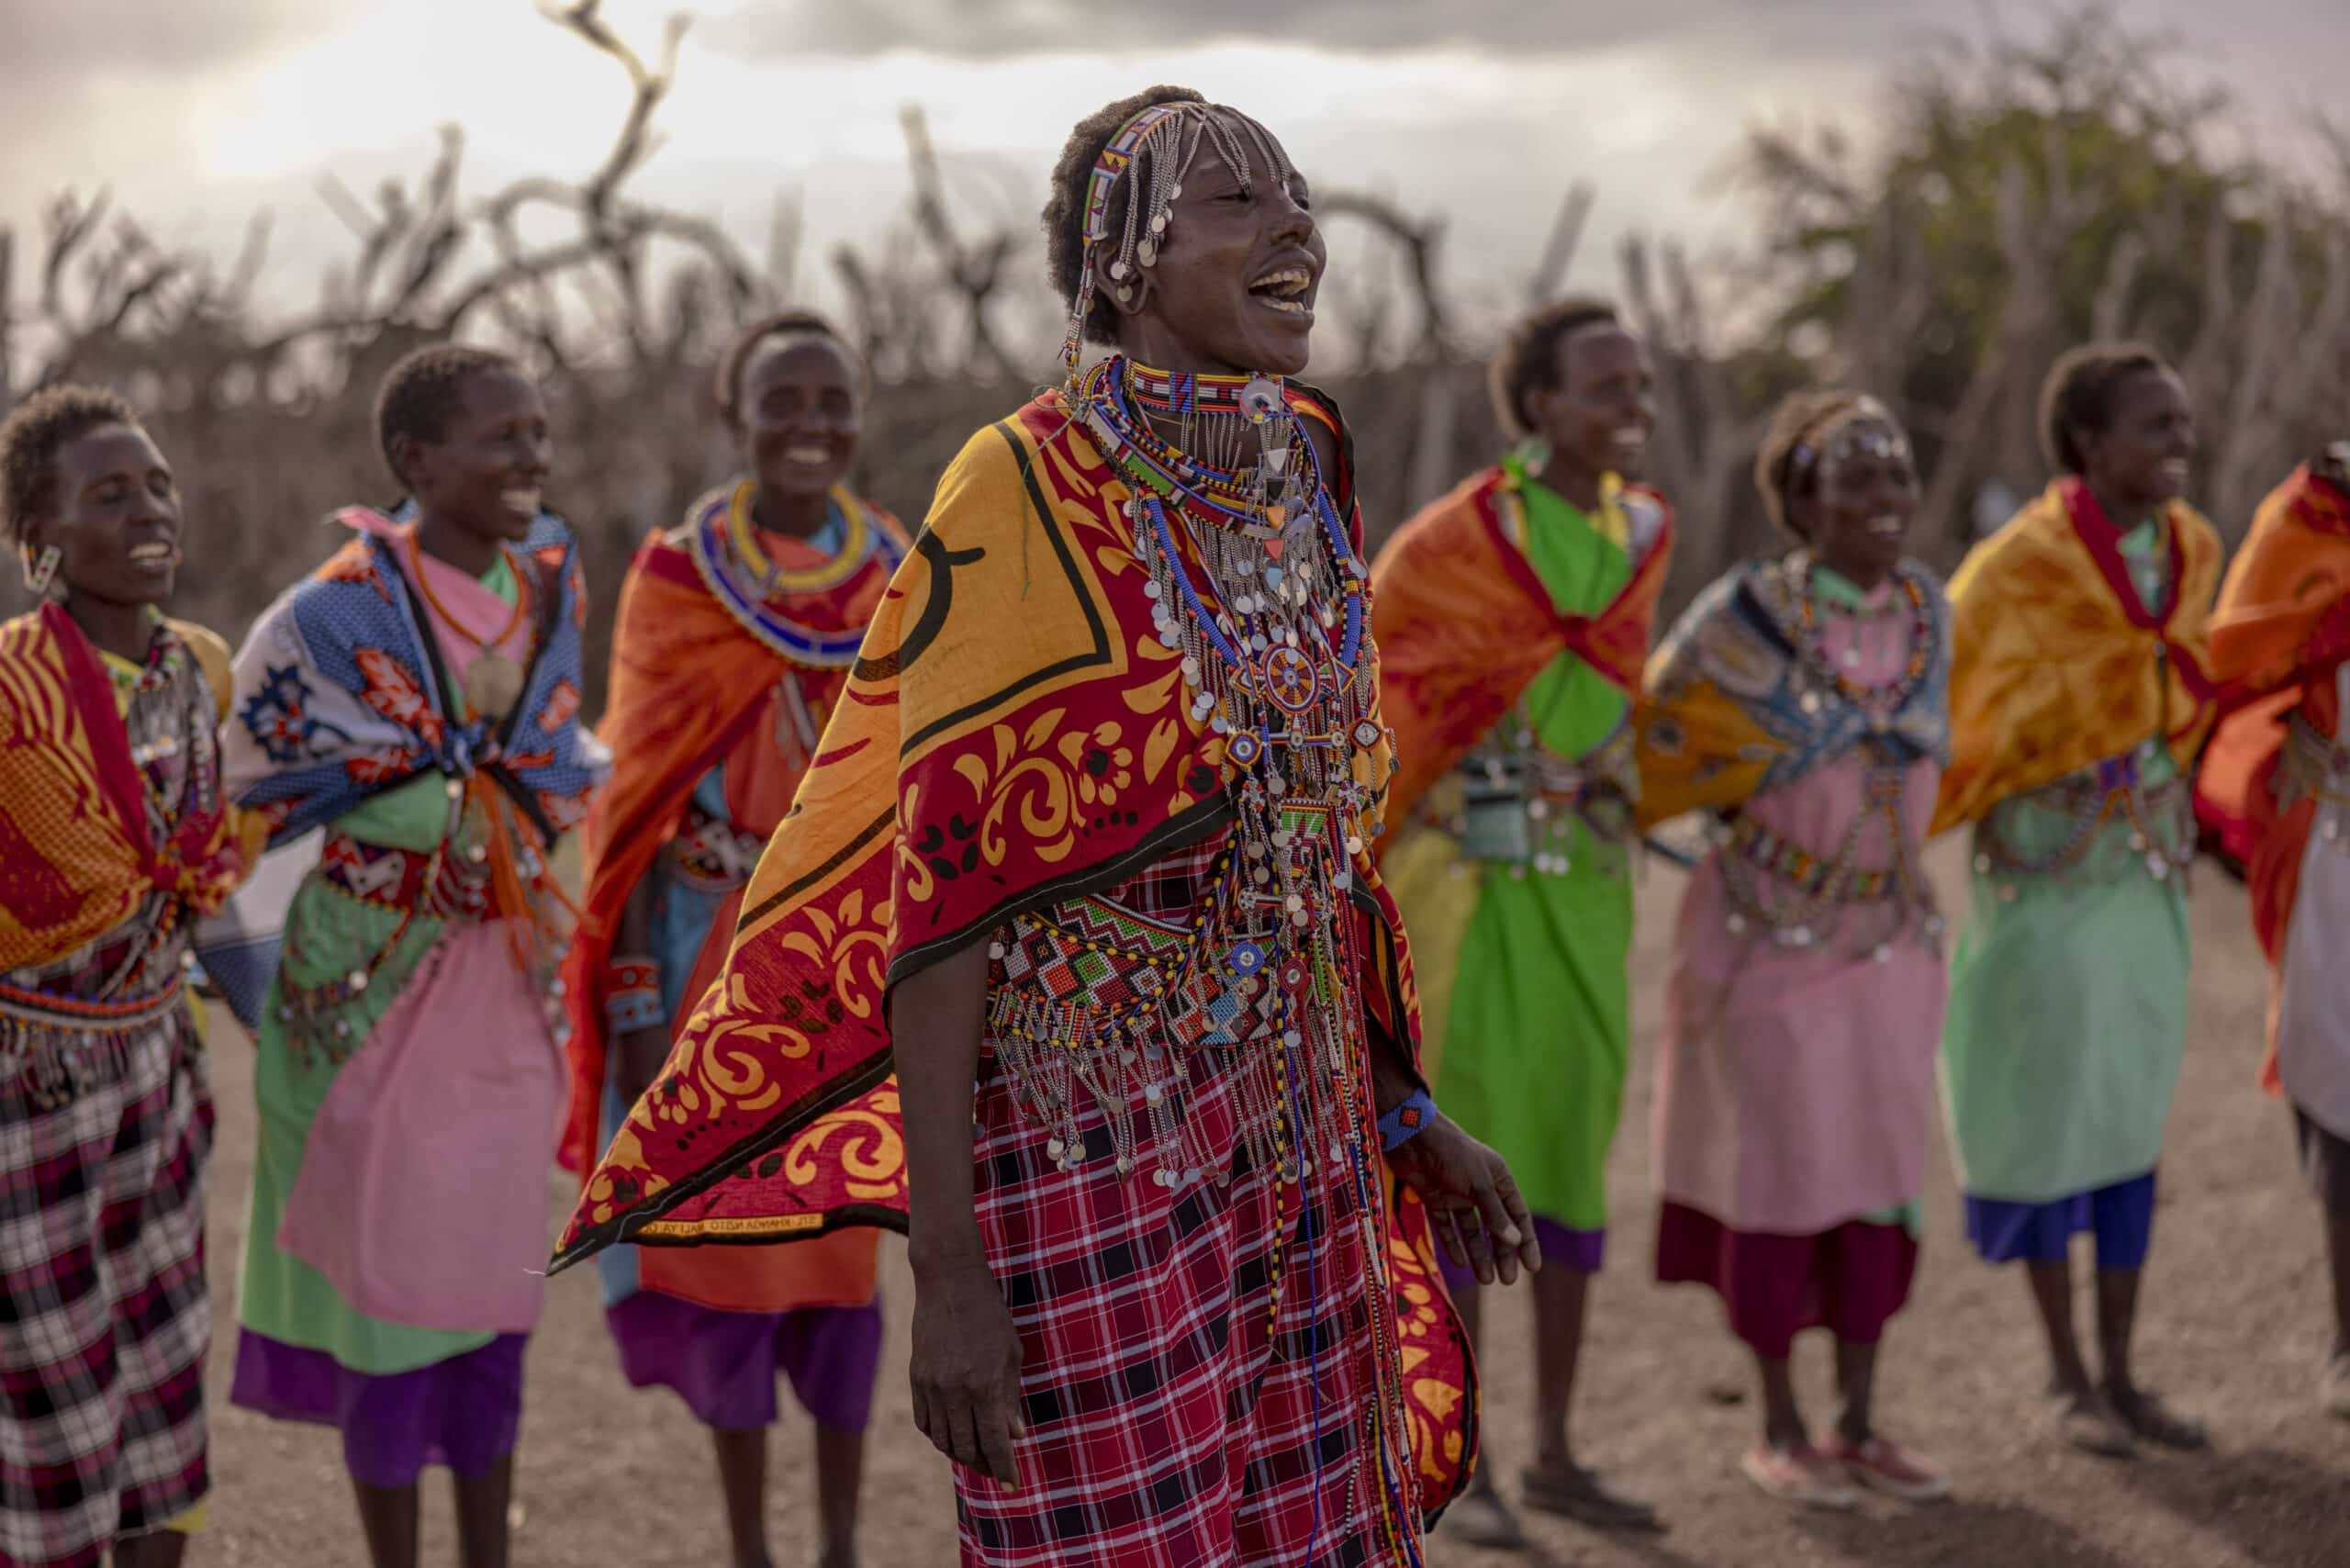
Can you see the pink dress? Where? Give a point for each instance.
(1796, 1077)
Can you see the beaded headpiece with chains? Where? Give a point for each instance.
(1155, 147)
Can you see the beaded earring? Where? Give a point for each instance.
(41, 576)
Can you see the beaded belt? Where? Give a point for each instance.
(48, 1009)
(56, 1046)
(398, 878)
(2091, 798)
(711, 856)
(1806, 873)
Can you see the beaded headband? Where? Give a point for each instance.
(1844, 433)
(1170, 135)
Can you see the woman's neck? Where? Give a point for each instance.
(445, 541)
(1579, 488)
(123, 630)
(2122, 510)
(799, 516)
(1866, 579)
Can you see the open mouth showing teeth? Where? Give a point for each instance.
(153, 552)
(812, 455)
(2175, 470)
(1631, 436)
(1285, 289)
(1890, 526)
(521, 499)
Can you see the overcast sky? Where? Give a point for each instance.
(198, 112)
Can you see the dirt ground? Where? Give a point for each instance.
(2233, 1326)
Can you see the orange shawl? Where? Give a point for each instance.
(2056, 667)
(76, 853)
(1464, 624)
(2282, 628)
(688, 680)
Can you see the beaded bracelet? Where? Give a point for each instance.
(1407, 1120)
(632, 973)
(627, 1010)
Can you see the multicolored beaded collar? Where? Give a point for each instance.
(753, 589)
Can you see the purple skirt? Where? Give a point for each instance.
(465, 1413)
(1562, 1247)
(724, 1364)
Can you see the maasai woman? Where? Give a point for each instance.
(2078, 700)
(1802, 699)
(1092, 822)
(1512, 617)
(2277, 786)
(417, 697)
(736, 634)
(114, 839)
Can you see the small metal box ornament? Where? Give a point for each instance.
(1494, 821)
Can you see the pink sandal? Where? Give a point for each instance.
(1883, 1465)
(1799, 1474)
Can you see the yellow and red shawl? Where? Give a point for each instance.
(1464, 624)
(76, 853)
(688, 679)
(2057, 667)
(2281, 629)
(1010, 735)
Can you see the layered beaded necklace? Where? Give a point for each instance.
(1252, 580)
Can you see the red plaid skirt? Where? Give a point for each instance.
(104, 1318)
(1197, 1368)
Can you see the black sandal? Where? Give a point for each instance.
(1583, 1497)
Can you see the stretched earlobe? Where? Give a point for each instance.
(1123, 285)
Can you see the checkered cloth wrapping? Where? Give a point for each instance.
(104, 1318)
(1172, 1422)
(105, 1126)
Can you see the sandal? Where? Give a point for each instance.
(2091, 1424)
(1581, 1496)
(2145, 1414)
(1883, 1465)
(1801, 1474)
(1480, 1517)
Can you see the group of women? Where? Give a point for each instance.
(1038, 885)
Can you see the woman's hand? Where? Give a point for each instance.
(1471, 1201)
(965, 1367)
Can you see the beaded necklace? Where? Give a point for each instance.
(1268, 621)
(755, 591)
(1809, 891)
(1879, 702)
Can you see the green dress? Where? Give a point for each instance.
(1533, 1011)
(2068, 991)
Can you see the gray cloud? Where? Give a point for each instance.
(51, 41)
(996, 29)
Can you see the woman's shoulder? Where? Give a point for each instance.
(211, 652)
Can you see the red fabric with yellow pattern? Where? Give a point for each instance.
(2281, 629)
(76, 855)
(1464, 624)
(1011, 735)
